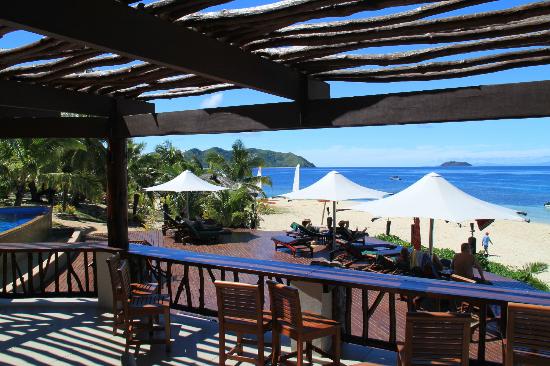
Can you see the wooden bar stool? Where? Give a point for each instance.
(240, 310)
(527, 335)
(137, 309)
(136, 289)
(435, 339)
(289, 320)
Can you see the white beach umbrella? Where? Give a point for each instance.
(296, 183)
(259, 174)
(334, 187)
(186, 182)
(434, 197)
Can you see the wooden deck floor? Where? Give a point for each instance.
(257, 244)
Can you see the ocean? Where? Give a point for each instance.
(521, 188)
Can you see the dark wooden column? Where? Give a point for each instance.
(117, 186)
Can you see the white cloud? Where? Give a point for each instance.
(212, 101)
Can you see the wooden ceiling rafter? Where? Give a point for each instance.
(276, 32)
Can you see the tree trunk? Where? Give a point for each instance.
(19, 195)
(135, 205)
(65, 198)
(35, 196)
(50, 196)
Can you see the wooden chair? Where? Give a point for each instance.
(435, 339)
(137, 309)
(240, 310)
(136, 289)
(527, 335)
(289, 320)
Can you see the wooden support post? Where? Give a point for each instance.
(117, 187)
(388, 227)
(482, 333)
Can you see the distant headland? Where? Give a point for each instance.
(455, 163)
(270, 158)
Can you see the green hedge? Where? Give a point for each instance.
(526, 274)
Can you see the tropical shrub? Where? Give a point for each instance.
(526, 274)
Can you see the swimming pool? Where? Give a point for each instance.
(20, 224)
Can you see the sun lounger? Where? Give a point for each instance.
(296, 245)
(350, 235)
(196, 235)
(302, 231)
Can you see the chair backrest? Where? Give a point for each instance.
(285, 305)
(239, 300)
(192, 229)
(113, 262)
(528, 335)
(125, 283)
(433, 337)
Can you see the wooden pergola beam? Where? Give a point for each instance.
(54, 127)
(486, 102)
(504, 101)
(117, 28)
(28, 96)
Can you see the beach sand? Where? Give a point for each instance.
(515, 243)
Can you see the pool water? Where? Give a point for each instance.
(11, 217)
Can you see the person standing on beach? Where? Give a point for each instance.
(486, 240)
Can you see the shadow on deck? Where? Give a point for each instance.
(76, 332)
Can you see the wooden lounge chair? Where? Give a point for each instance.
(296, 245)
(357, 236)
(138, 313)
(136, 289)
(302, 231)
(170, 223)
(240, 311)
(303, 327)
(435, 339)
(527, 335)
(191, 233)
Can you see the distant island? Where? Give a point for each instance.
(270, 158)
(455, 163)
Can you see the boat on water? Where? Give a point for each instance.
(547, 204)
(395, 177)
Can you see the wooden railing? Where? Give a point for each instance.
(48, 270)
(370, 306)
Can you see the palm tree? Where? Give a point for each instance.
(235, 207)
(238, 169)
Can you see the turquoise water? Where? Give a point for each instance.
(521, 188)
(11, 217)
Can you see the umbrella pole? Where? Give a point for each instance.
(431, 237)
(323, 215)
(187, 204)
(333, 224)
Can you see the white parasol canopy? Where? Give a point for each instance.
(186, 182)
(259, 174)
(334, 187)
(434, 197)
(296, 183)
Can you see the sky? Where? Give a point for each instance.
(504, 142)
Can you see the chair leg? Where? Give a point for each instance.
(261, 354)
(167, 324)
(221, 352)
(239, 344)
(300, 352)
(336, 343)
(276, 347)
(309, 352)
